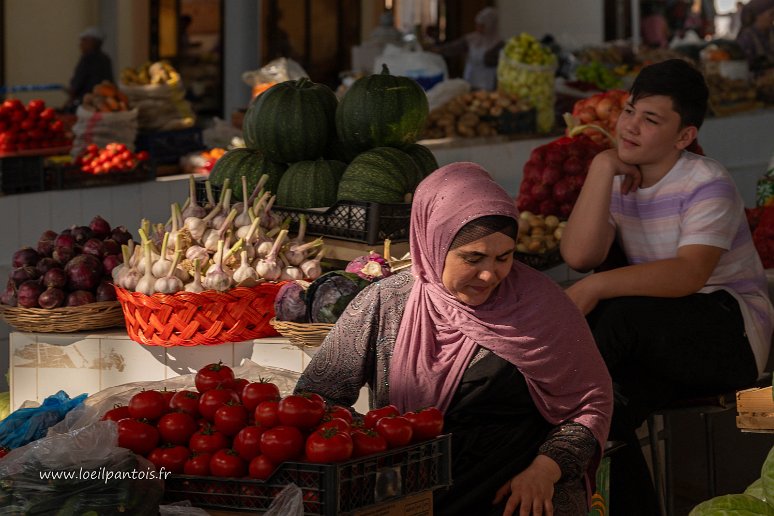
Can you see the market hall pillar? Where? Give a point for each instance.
(241, 51)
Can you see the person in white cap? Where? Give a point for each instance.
(93, 67)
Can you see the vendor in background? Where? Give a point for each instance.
(93, 67)
(482, 47)
(756, 38)
(654, 26)
(491, 342)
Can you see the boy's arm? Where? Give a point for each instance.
(680, 276)
(589, 234)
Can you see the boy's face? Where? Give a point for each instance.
(649, 131)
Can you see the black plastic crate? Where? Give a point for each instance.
(521, 122)
(22, 174)
(358, 221)
(65, 177)
(166, 147)
(328, 489)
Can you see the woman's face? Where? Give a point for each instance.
(471, 272)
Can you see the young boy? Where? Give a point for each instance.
(689, 314)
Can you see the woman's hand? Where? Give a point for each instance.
(530, 492)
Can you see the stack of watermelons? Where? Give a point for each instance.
(318, 150)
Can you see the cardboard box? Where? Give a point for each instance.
(755, 410)
(418, 504)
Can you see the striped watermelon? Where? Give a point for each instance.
(310, 184)
(249, 163)
(422, 156)
(383, 174)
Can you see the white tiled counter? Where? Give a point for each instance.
(43, 363)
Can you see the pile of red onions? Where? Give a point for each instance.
(69, 268)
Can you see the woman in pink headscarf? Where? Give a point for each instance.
(496, 345)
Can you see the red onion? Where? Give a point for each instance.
(79, 297)
(48, 235)
(56, 278)
(21, 274)
(45, 247)
(66, 231)
(64, 240)
(111, 246)
(106, 292)
(51, 298)
(94, 247)
(84, 272)
(82, 233)
(45, 264)
(25, 256)
(63, 254)
(100, 227)
(9, 296)
(121, 235)
(28, 294)
(110, 262)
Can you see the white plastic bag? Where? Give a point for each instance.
(446, 91)
(278, 70)
(161, 107)
(426, 68)
(289, 502)
(101, 128)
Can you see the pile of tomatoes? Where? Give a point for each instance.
(114, 157)
(230, 427)
(33, 126)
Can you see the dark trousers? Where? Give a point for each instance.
(659, 350)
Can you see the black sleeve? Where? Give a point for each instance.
(571, 445)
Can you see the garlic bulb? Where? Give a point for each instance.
(196, 285)
(147, 282)
(216, 278)
(161, 266)
(244, 275)
(312, 268)
(170, 283)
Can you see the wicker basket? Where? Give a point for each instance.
(68, 319)
(302, 334)
(192, 319)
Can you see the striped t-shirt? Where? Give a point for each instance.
(697, 203)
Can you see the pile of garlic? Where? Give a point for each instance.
(218, 246)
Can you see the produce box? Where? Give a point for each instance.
(328, 489)
(167, 147)
(358, 221)
(755, 410)
(65, 177)
(22, 174)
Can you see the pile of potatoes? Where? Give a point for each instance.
(472, 114)
(539, 233)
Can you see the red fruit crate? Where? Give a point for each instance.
(22, 174)
(65, 177)
(328, 489)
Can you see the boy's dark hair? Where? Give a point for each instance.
(678, 80)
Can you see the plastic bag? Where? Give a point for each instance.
(76, 473)
(534, 83)
(101, 128)
(28, 424)
(96, 405)
(278, 70)
(220, 134)
(427, 68)
(446, 91)
(289, 502)
(183, 508)
(161, 107)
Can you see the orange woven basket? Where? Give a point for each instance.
(209, 317)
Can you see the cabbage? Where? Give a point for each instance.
(290, 303)
(5, 404)
(733, 505)
(371, 267)
(328, 296)
(767, 477)
(756, 489)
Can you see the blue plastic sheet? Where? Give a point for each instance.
(30, 424)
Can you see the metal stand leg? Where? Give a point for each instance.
(668, 491)
(709, 435)
(655, 460)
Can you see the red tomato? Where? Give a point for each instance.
(328, 445)
(367, 441)
(208, 440)
(176, 427)
(212, 375)
(167, 398)
(282, 443)
(300, 411)
(4, 450)
(13, 104)
(261, 468)
(92, 148)
(170, 457)
(28, 124)
(185, 401)
(48, 114)
(198, 464)
(227, 463)
(230, 418)
(142, 155)
(36, 105)
(247, 442)
(426, 423)
(396, 430)
(147, 405)
(256, 392)
(334, 422)
(339, 411)
(372, 416)
(266, 414)
(117, 413)
(210, 400)
(137, 436)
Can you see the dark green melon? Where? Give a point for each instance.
(249, 163)
(422, 156)
(310, 184)
(292, 121)
(381, 110)
(383, 174)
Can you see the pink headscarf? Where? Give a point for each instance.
(528, 320)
